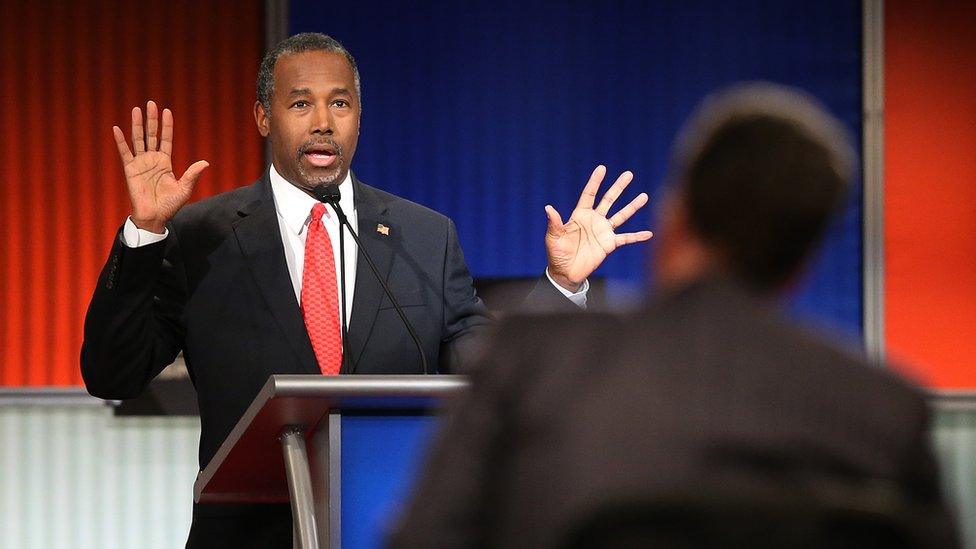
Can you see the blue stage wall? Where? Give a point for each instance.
(487, 110)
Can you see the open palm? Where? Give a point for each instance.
(155, 192)
(576, 248)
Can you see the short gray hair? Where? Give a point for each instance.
(299, 43)
(764, 99)
(762, 170)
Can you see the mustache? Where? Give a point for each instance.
(319, 143)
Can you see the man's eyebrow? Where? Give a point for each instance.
(307, 91)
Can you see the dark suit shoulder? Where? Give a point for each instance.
(401, 208)
(537, 330)
(217, 208)
(834, 355)
(721, 335)
(558, 324)
(527, 350)
(890, 394)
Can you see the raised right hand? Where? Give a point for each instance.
(576, 248)
(155, 192)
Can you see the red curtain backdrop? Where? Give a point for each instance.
(930, 189)
(71, 70)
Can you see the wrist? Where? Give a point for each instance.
(565, 282)
(153, 225)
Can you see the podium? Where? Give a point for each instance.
(331, 446)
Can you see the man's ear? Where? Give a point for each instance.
(677, 258)
(671, 214)
(261, 118)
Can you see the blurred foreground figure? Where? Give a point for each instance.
(706, 419)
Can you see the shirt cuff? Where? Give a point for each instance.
(134, 237)
(578, 298)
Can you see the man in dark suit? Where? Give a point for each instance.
(227, 280)
(706, 395)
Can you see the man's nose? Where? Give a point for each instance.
(322, 122)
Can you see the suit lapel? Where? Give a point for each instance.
(259, 238)
(371, 212)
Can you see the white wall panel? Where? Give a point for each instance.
(955, 444)
(76, 476)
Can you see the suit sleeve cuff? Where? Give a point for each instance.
(134, 237)
(578, 298)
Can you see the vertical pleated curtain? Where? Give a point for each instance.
(68, 72)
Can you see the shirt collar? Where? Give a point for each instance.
(294, 206)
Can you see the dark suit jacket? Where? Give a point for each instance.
(218, 289)
(705, 389)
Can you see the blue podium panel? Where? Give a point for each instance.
(380, 459)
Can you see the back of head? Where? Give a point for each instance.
(760, 170)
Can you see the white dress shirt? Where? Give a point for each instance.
(294, 209)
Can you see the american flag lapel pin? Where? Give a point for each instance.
(383, 229)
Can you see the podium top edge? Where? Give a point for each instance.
(293, 385)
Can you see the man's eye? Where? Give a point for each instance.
(300, 104)
(341, 103)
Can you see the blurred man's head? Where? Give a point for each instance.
(757, 174)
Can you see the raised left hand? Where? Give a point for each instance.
(576, 248)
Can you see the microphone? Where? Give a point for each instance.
(329, 194)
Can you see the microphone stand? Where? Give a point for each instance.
(342, 285)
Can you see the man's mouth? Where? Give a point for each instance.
(320, 156)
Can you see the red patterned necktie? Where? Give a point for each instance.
(320, 297)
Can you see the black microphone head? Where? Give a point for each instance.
(326, 193)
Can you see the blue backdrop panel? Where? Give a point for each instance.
(486, 110)
(380, 458)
